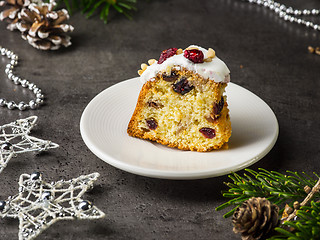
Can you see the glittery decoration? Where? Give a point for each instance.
(15, 139)
(40, 204)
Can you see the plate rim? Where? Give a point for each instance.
(168, 174)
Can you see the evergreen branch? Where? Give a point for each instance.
(89, 7)
(274, 186)
(314, 191)
(306, 227)
(303, 223)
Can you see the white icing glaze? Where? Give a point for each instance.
(215, 70)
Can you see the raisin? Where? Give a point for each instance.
(151, 123)
(171, 78)
(166, 54)
(194, 55)
(217, 107)
(208, 132)
(182, 86)
(154, 104)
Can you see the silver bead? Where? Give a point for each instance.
(21, 189)
(85, 205)
(31, 86)
(11, 105)
(8, 70)
(299, 21)
(9, 66)
(3, 102)
(39, 95)
(13, 62)
(6, 146)
(277, 4)
(289, 10)
(35, 176)
(46, 196)
(33, 104)
(16, 80)
(316, 27)
(315, 11)
(282, 7)
(14, 57)
(10, 75)
(308, 24)
(36, 90)
(22, 106)
(39, 101)
(297, 12)
(2, 205)
(3, 51)
(282, 14)
(24, 83)
(9, 53)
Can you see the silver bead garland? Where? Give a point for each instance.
(32, 104)
(288, 13)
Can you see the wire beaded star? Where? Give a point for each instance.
(15, 139)
(40, 204)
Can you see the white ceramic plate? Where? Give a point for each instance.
(104, 123)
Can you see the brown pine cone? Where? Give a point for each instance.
(255, 218)
(11, 10)
(43, 28)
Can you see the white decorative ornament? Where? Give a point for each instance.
(15, 139)
(40, 204)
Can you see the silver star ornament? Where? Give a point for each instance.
(15, 139)
(40, 204)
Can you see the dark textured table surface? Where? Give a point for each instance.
(265, 54)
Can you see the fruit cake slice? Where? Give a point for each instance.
(182, 102)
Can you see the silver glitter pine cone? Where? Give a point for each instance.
(43, 28)
(10, 10)
(255, 218)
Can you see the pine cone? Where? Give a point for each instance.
(255, 218)
(12, 8)
(42, 27)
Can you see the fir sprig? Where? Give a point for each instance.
(306, 227)
(276, 187)
(89, 7)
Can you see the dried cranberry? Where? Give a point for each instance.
(166, 54)
(194, 55)
(208, 132)
(182, 86)
(217, 107)
(171, 78)
(151, 123)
